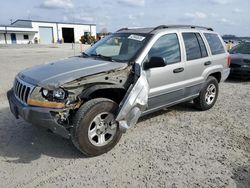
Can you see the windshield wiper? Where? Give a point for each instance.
(102, 57)
(85, 55)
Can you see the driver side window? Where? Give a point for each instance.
(168, 48)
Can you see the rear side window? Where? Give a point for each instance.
(214, 43)
(195, 47)
(202, 46)
(168, 48)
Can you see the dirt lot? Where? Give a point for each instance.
(179, 147)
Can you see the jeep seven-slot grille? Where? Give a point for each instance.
(22, 90)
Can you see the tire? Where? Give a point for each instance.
(208, 94)
(92, 133)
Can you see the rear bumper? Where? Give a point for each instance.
(37, 116)
(240, 72)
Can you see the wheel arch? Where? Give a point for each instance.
(112, 92)
(217, 75)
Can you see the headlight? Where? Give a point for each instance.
(58, 94)
(45, 92)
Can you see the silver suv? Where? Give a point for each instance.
(95, 97)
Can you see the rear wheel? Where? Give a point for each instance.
(208, 94)
(95, 130)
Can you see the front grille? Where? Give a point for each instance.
(22, 90)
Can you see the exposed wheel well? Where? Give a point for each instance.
(217, 75)
(115, 94)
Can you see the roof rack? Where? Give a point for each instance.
(181, 26)
(128, 28)
(122, 29)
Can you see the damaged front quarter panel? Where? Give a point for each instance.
(134, 102)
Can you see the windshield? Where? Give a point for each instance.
(119, 47)
(243, 48)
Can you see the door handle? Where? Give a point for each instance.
(207, 63)
(178, 70)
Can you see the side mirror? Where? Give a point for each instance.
(154, 62)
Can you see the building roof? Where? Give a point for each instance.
(51, 22)
(15, 26)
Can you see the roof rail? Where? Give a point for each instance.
(181, 26)
(122, 29)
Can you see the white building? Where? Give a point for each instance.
(43, 32)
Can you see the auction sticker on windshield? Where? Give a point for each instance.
(136, 37)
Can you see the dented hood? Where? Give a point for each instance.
(60, 72)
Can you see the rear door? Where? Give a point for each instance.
(219, 55)
(196, 61)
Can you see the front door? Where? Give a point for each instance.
(166, 83)
(155, 87)
(13, 38)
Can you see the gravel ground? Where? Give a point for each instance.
(178, 147)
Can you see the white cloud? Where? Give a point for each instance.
(225, 21)
(214, 15)
(135, 16)
(237, 10)
(196, 15)
(57, 4)
(221, 2)
(133, 3)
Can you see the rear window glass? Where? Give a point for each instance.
(215, 43)
(193, 50)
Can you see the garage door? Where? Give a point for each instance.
(46, 35)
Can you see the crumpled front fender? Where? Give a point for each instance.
(134, 103)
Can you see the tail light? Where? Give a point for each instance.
(228, 60)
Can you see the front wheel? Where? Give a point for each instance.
(208, 94)
(95, 130)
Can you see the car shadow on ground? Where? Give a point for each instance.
(21, 142)
(183, 107)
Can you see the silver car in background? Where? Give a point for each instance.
(93, 98)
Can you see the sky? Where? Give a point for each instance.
(224, 16)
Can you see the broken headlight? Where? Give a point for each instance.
(58, 94)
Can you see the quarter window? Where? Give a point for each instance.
(195, 47)
(214, 43)
(168, 48)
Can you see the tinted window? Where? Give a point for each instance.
(241, 49)
(168, 48)
(215, 43)
(202, 45)
(193, 50)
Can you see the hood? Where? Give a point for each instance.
(60, 72)
(240, 58)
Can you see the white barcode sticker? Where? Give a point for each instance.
(136, 37)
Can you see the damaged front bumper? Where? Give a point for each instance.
(43, 117)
